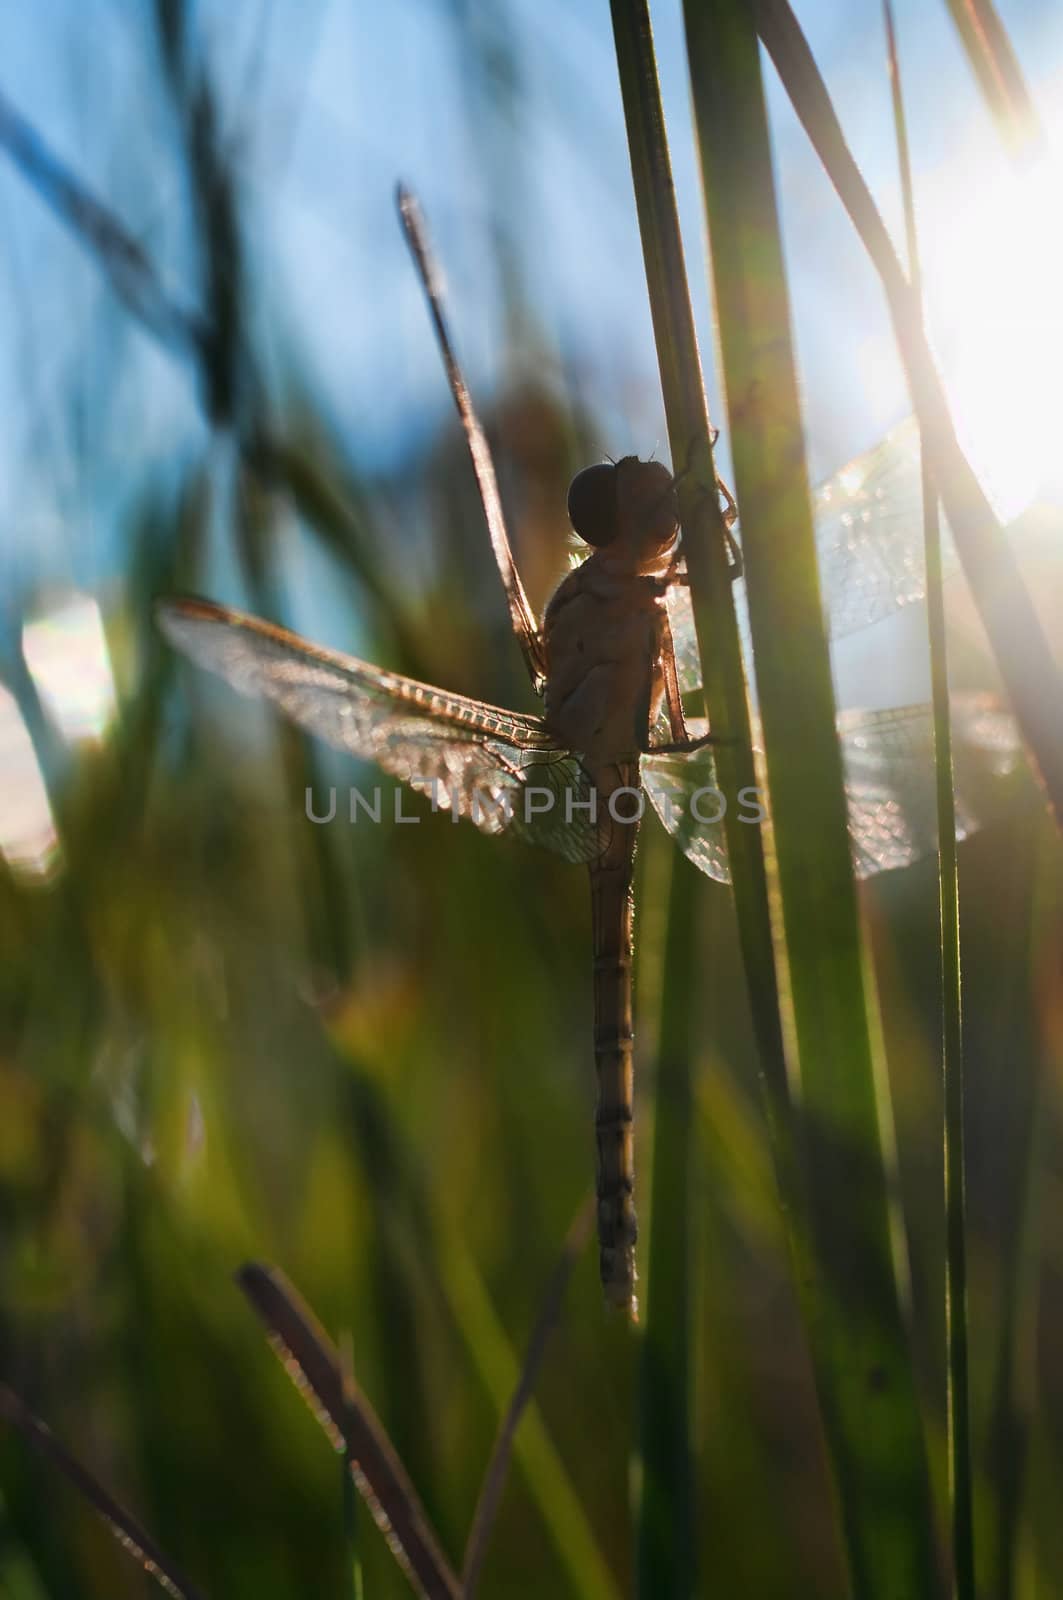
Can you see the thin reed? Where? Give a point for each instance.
(958, 1399)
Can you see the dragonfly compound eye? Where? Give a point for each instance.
(592, 504)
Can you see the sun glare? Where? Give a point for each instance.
(993, 272)
(65, 649)
(28, 839)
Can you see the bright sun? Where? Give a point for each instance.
(993, 272)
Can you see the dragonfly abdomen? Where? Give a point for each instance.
(611, 901)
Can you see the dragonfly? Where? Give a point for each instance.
(612, 659)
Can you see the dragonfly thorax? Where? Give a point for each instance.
(602, 631)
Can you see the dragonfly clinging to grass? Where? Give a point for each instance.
(612, 659)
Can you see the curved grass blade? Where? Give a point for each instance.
(130, 1535)
(1000, 77)
(961, 1496)
(121, 257)
(352, 1426)
(186, 334)
(1032, 679)
(498, 1466)
(850, 1299)
(308, 469)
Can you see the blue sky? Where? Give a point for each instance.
(326, 104)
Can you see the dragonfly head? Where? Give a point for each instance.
(630, 504)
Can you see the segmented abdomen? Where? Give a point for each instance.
(611, 900)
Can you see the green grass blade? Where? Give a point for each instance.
(447, 1262)
(961, 1493)
(663, 1526)
(499, 1370)
(1017, 1401)
(704, 542)
(850, 1298)
(498, 1466)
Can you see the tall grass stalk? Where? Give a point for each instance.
(704, 536)
(665, 1400)
(850, 1298)
(961, 1495)
(1036, 883)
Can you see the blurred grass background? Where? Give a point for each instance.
(363, 1053)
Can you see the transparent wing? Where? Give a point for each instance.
(499, 769)
(869, 535)
(684, 639)
(521, 616)
(889, 773)
(683, 792)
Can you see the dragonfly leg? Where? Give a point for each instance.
(730, 504)
(680, 743)
(735, 563)
(675, 575)
(683, 747)
(730, 517)
(734, 549)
